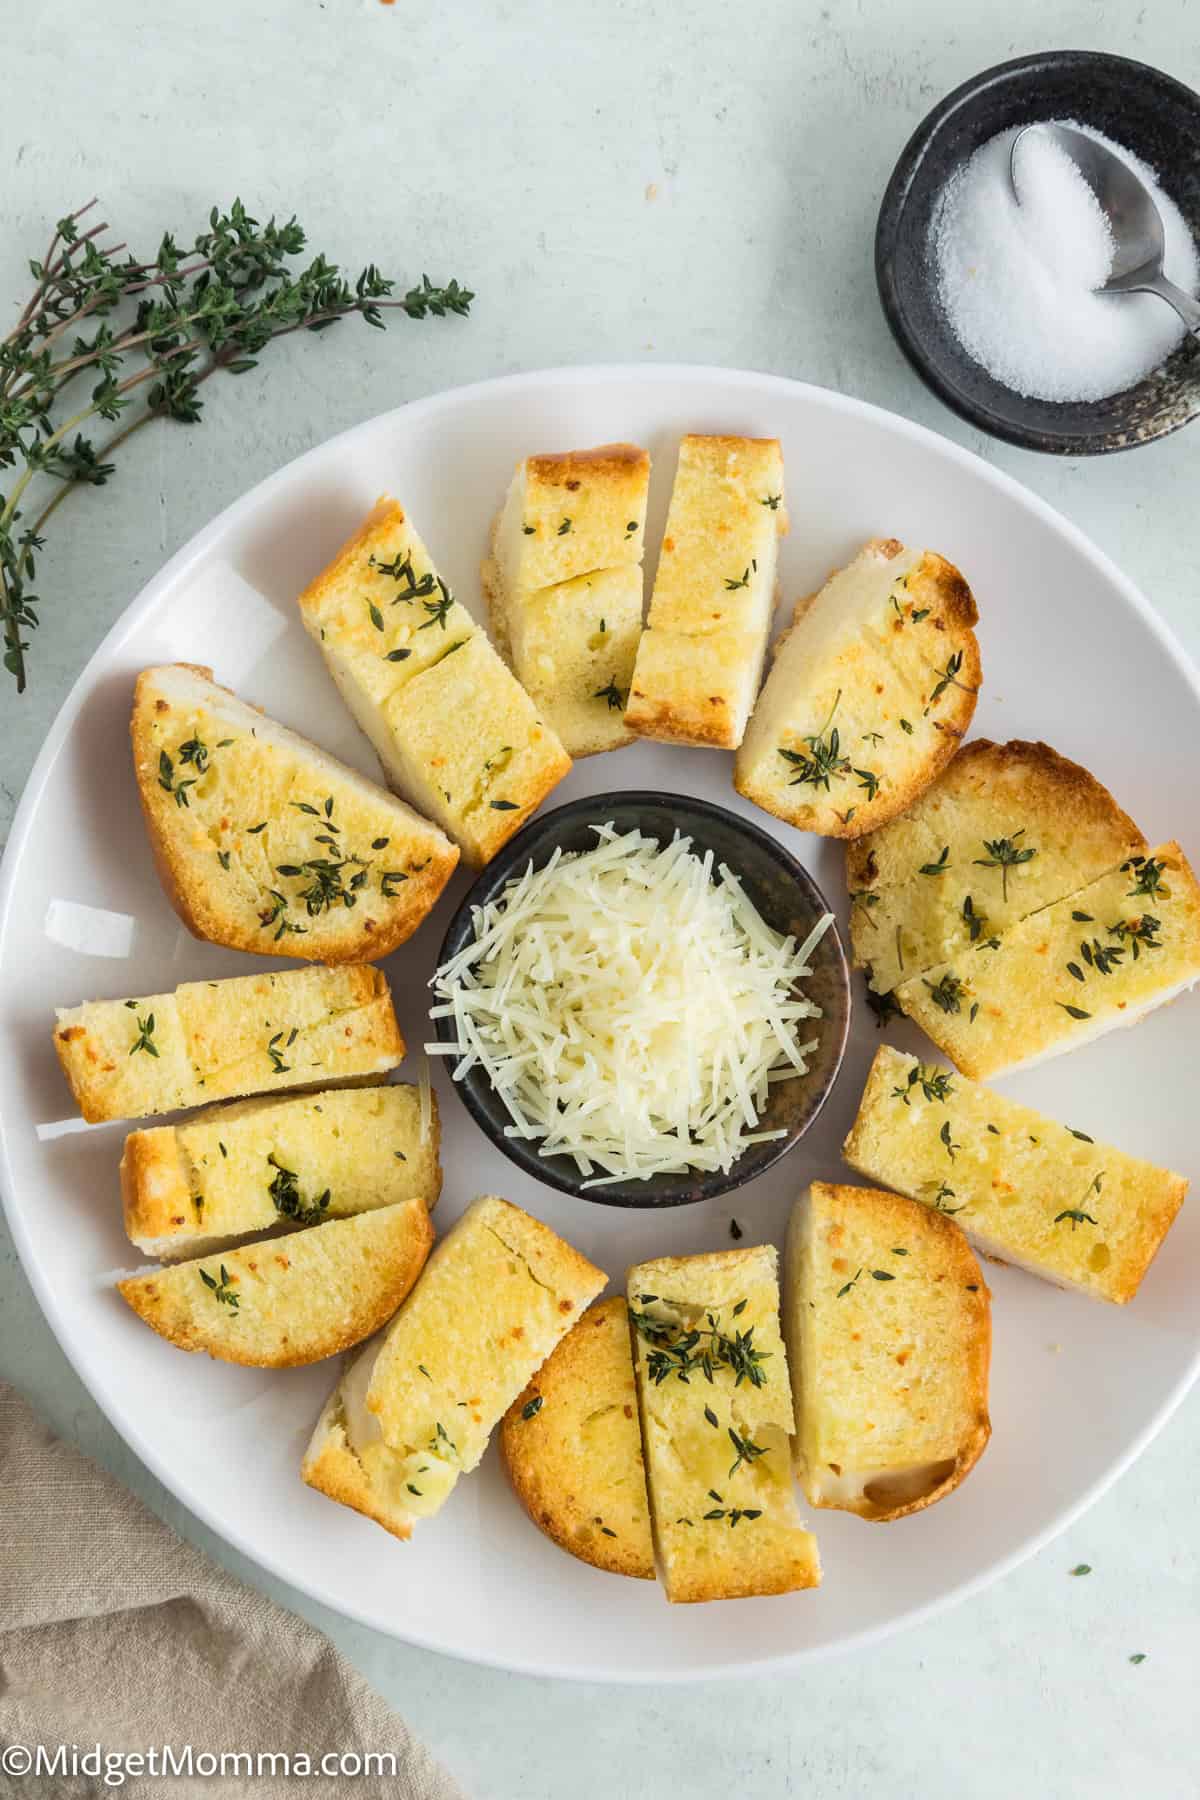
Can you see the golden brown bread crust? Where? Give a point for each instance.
(398, 1258)
(560, 470)
(202, 908)
(1018, 1173)
(706, 724)
(1057, 783)
(198, 1028)
(154, 1194)
(386, 514)
(909, 1220)
(548, 1468)
(937, 591)
(331, 1467)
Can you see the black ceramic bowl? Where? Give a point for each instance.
(1158, 119)
(788, 899)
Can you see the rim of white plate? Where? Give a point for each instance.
(132, 617)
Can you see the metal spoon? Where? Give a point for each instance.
(1133, 218)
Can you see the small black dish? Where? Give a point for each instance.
(1158, 119)
(788, 899)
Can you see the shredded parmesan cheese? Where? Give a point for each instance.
(630, 1010)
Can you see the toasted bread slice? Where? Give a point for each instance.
(289, 1300)
(573, 1447)
(573, 647)
(564, 588)
(416, 1409)
(700, 659)
(473, 748)
(252, 1164)
(265, 843)
(935, 881)
(570, 515)
(889, 1334)
(869, 695)
(1104, 957)
(1025, 1189)
(211, 1040)
(718, 1451)
(444, 714)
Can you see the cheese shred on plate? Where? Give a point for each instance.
(630, 1010)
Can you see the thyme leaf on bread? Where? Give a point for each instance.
(1148, 875)
(824, 758)
(1005, 854)
(143, 336)
(222, 1290)
(947, 992)
(683, 1351)
(145, 1035)
(290, 1203)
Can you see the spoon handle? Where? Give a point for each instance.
(1187, 308)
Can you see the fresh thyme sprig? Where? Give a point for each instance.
(825, 759)
(1005, 854)
(147, 334)
(679, 1351)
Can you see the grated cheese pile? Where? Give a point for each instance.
(630, 1011)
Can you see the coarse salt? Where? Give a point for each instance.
(1018, 279)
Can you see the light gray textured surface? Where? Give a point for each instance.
(618, 181)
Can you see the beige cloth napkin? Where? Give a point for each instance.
(113, 1630)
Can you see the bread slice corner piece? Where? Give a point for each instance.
(718, 1453)
(888, 1325)
(265, 843)
(286, 1301)
(212, 1040)
(700, 658)
(870, 693)
(1025, 1189)
(570, 514)
(481, 783)
(412, 665)
(572, 647)
(572, 1446)
(416, 1409)
(251, 1165)
(1102, 958)
(1005, 830)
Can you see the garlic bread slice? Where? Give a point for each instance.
(888, 1325)
(211, 1040)
(289, 1300)
(572, 1446)
(415, 1410)
(263, 842)
(716, 1409)
(700, 658)
(568, 515)
(469, 745)
(250, 1165)
(869, 694)
(572, 647)
(446, 717)
(1103, 957)
(563, 584)
(1025, 1189)
(1006, 830)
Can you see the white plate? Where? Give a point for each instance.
(1071, 653)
